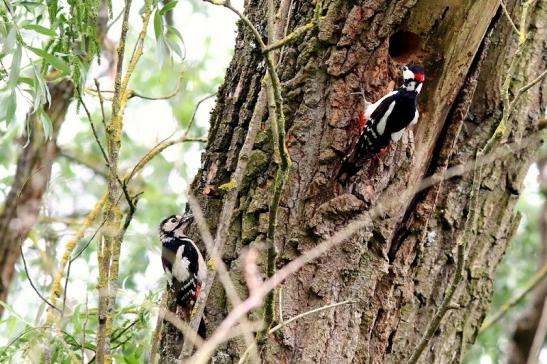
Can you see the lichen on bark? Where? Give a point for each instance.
(398, 266)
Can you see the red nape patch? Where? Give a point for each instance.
(362, 121)
(419, 77)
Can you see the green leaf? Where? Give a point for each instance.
(9, 104)
(40, 29)
(27, 80)
(9, 42)
(15, 67)
(41, 91)
(168, 7)
(162, 51)
(158, 25)
(51, 59)
(175, 41)
(47, 124)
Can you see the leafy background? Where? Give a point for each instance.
(200, 45)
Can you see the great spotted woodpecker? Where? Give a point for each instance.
(384, 121)
(183, 264)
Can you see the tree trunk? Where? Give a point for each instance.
(398, 266)
(24, 200)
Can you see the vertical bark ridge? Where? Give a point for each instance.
(350, 50)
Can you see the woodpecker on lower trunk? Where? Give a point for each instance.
(385, 121)
(183, 264)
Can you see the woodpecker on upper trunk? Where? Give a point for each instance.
(183, 264)
(384, 121)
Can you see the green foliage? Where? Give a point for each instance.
(75, 187)
(43, 40)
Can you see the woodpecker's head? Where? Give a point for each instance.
(414, 76)
(175, 225)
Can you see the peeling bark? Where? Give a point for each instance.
(400, 264)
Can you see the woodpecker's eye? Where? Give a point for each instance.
(405, 68)
(173, 220)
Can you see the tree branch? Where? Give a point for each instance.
(32, 283)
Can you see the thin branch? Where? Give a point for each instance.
(228, 209)
(156, 336)
(32, 283)
(290, 37)
(361, 221)
(84, 325)
(294, 318)
(69, 247)
(223, 274)
(65, 293)
(531, 84)
(248, 23)
(133, 93)
(536, 279)
(95, 135)
(87, 164)
(508, 16)
(101, 102)
(196, 108)
(539, 336)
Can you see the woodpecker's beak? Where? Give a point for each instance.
(189, 217)
(400, 67)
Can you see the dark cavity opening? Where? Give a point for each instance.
(403, 46)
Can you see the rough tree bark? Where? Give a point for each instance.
(400, 264)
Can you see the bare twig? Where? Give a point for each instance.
(94, 167)
(539, 336)
(224, 276)
(84, 325)
(360, 222)
(538, 277)
(228, 209)
(467, 237)
(32, 283)
(156, 336)
(101, 102)
(294, 318)
(94, 131)
(133, 93)
(65, 293)
(508, 16)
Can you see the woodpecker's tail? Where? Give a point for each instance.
(202, 329)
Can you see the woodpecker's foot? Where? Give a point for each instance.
(383, 151)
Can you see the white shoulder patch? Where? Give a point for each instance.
(396, 136)
(370, 109)
(416, 116)
(419, 88)
(383, 121)
(180, 266)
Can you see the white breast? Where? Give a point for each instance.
(180, 266)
